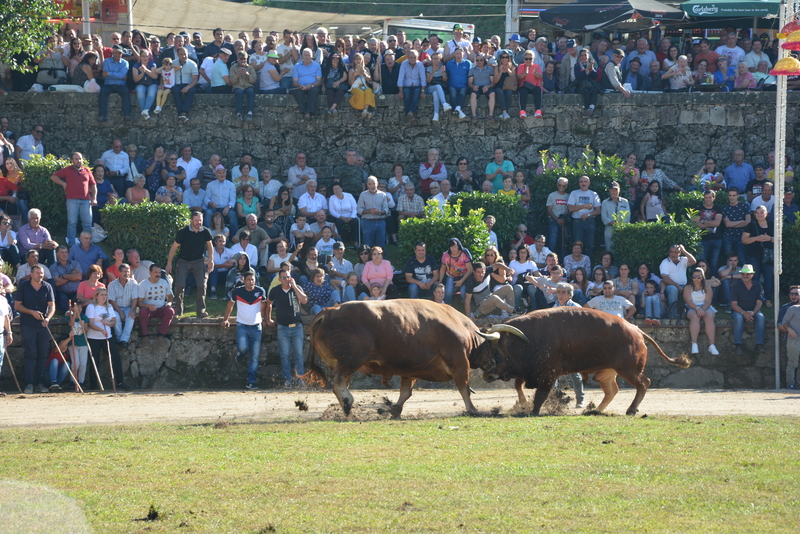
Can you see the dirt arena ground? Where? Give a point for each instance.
(67, 409)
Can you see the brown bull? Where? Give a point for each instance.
(575, 340)
(413, 339)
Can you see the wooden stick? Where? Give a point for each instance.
(94, 365)
(111, 365)
(8, 358)
(71, 374)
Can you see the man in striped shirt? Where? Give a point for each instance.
(251, 301)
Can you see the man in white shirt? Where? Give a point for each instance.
(611, 303)
(455, 43)
(190, 164)
(290, 54)
(765, 199)
(223, 261)
(28, 145)
(222, 198)
(123, 295)
(118, 165)
(300, 174)
(311, 202)
(186, 79)
(444, 195)
(344, 213)
(642, 51)
(584, 204)
(140, 270)
(756, 56)
(734, 54)
(673, 274)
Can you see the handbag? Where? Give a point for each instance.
(767, 254)
(510, 83)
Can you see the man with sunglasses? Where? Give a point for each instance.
(28, 145)
(789, 323)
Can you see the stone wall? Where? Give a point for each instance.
(200, 355)
(681, 129)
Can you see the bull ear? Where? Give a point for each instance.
(496, 329)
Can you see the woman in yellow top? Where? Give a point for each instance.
(360, 80)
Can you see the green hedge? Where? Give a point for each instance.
(44, 194)
(439, 226)
(149, 227)
(683, 205)
(790, 245)
(649, 242)
(507, 211)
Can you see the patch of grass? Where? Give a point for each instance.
(567, 474)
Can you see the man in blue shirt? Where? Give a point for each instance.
(307, 79)
(220, 75)
(739, 173)
(457, 77)
(411, 82)
(87, 253)
(195, 197)
(115, 72)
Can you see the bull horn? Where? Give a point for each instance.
(507, 328)
(494, 338)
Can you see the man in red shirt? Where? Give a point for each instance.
(709, 55)
(81, 189)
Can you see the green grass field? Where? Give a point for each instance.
(509, 474)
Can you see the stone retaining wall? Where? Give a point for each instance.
(200, 355)
(681, 129)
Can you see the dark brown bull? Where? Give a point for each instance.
(413, 339)
(575, 340)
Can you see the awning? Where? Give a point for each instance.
(590, 15)
(159, 18)
(730, 8)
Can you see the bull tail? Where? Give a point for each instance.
(315, 376)
(681, 361)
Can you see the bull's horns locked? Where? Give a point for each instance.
(494, 332)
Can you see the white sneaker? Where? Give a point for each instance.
(505, 116)
(461, 114)
(695, 350)
(145, 114)
(157, 110)
(446, 107)
(713, 350)
(436, 116)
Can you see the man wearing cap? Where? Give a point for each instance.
(115, 72)
(307, 80)
(221, 195)
(614, 209)
(642, 52)
(220, 75)
(747, 297)
(457, 42)
(566, 73)
(411, 82)
(790, 209)
(186, 78)
(612, 75)
(513, 49)
(633, 75)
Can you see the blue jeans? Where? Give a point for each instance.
(449, 290)
(457, 96)
(438, 96)
(248, 339)
(290, 338)
(233, 220)
(124, 325)
(58, 372)
(411, 98)
(504, 98)
(77, 207)
(213, 277)
(286, 85)
(730, 244)
(123, 92)
(146, 96)
(350, 294)
(36, 341)
(414, 292)
(652, 306)
(583, 231)
(738, 327)
(724, 295)
(335, 299)
(183, 102)
(374, 232)
(767, 270)
(672, 293)
(251, 98)
(530, 291)
(553, 234)
(711, 250)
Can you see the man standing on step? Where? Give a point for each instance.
(194, 241)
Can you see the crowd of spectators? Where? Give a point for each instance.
(454, 70)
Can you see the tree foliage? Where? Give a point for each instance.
(25, 26)
(439, 225)
(507, 211)
(149, 227)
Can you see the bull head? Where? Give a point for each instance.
(491, 355)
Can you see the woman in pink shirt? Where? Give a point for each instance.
(529, 78)
(379, 271)
(744, 81)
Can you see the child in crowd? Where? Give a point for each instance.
(375, 293)
(78, 347)
(508, 187)
(522, 189)
(300, 231)
(651, 303)
(351, 288)
(167, 72)
(325, 244)
(56, 365)
(438, 294)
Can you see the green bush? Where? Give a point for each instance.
(44, 194)
(507, 211)
(790, 244)
(678, 203)
(439, 226)
(149, 227)
(649, 242)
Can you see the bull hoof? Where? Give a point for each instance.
(396, 410)
(631, 412)
(347, 406)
